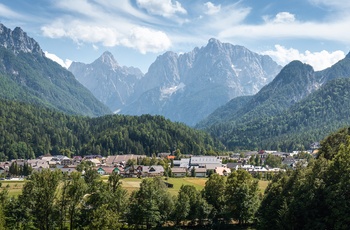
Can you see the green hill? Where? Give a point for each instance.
(27, 131)
(322, 112)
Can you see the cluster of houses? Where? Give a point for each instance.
(189, 165)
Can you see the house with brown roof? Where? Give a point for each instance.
(121, 159)
(108, 170)
(179, 172)
(200, 172)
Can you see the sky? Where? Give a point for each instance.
(316, 32)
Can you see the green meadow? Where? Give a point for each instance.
(131, 184)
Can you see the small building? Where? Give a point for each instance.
(108, 170)
(200, 172)
(155, 170)
(223, 171)
(121, 159)
(182, 163)
(234, 166)
(68, 170)
(179, 172)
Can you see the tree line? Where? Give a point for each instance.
(28, 131)
(311, 197)
(52, 200)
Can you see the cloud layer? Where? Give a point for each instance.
(318, 60)
(155, 26)
(54, 58)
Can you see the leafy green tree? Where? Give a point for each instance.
(2, 219)
(151, 205)
(214, 193)
(39, 196)
(84, 166)
(131, 162)
(182, 207)
(105, 219)
(242, 196)
(75, 191)
(188, 204)
(273, 161)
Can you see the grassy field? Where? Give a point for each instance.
(131, 184)
(14, 187)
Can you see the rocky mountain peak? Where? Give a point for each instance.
(213, 45)
(107, 58)
(18, 41)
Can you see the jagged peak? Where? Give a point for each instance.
(107, 58)
(18, 41)
(213, 40)
(18, 30)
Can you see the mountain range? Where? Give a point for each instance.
(27, 75)
(182, 87)
(245, 100)
(298, 107)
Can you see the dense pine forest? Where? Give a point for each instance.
(28, 131)
(307, 121)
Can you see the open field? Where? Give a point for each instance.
(263, 185)
(14, 187)
(131, 184)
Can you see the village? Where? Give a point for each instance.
(163, 164)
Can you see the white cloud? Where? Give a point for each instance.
(164, 8)
(281, 17)
(8, 13)
(82, 32)
(147, 40)
(318, 60)
(229, 16)
(141, 38)
(211, 8)
(330, 30)
(54, 58)
(109, 24)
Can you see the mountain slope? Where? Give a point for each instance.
(283, 112)
(189, 86)
(110, 83)
(322, 112)
(27, 75)
(225, 112)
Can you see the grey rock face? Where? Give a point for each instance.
(17, 41)
(188, 87)
(110, 83)
(182, 87)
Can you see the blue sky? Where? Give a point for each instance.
(137, 31)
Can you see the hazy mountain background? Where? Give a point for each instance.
(182, 87)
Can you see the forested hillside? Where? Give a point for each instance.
(307, 121)
(35, 79)
(27, 75)
(27, 131)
